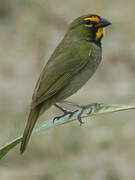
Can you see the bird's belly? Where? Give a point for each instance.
(78, 80)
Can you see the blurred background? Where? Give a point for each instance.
(104, 147)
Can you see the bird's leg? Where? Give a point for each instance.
(66, 112)
(70, 112)
(82, 107)
(59, 107)
(78, 106)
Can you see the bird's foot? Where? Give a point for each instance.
(66, 112)
(82, 107)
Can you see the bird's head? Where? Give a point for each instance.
(90, 27)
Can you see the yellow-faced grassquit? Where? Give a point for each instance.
(71, 65)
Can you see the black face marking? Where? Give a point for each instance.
(87, 22)
(94, 23)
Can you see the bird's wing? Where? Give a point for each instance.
(57, 74)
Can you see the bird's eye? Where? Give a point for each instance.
(87, 22)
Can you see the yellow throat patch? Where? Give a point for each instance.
(100, 32)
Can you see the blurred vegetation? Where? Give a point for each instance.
(103, 148)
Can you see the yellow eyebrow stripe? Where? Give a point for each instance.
(93, 18)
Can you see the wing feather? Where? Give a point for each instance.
(57, 75)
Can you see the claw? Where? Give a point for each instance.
(82, 107)
(79, 115)
(70, 113)
(80, 119)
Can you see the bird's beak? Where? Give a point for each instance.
(103, 23)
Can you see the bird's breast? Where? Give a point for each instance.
(94, 57)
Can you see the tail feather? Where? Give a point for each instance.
(33, 116)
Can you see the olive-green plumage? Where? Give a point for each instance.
(71, 65)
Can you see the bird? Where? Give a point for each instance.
(72, 64)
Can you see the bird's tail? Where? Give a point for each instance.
(33, 116)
